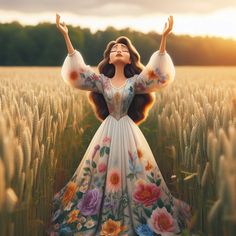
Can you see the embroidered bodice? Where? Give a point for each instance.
(158, 73)
(118, 98)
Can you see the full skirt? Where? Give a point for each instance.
(118, 189)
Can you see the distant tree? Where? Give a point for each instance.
(43, 45)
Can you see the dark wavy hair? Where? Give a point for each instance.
(141, 103)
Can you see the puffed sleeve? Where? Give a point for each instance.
(77, 74)
(157, 74)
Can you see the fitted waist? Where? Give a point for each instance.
(118, 118)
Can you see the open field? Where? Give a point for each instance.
(46, 126)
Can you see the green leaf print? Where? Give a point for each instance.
(86, 169)
(107, 149)
(168, 208)
(124, 201)
(160, 203)
(148, 212)
(79, 194)
(94, 217)
(158, 182)
(94, 165)
(150, 179)
(102, 151)
(143, 220)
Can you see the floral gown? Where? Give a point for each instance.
(118, 188)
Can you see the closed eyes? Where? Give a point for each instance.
(124, 49)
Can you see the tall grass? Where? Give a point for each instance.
(46, 126)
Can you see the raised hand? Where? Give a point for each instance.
(168, 28)
(61, 26)
(166, 31)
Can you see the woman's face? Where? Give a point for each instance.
(119, 54)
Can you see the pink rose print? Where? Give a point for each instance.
(102, 167)
(146, 193)
(106, 140)
(162, 222)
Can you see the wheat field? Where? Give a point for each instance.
(46, 126)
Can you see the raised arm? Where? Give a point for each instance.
(74, 71)
(166, 31)
(64, 30)
(160, 71)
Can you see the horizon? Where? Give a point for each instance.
(203, 18)
(125, 27)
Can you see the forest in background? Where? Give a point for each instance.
(43, 45)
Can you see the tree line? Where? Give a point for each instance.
(43, 45)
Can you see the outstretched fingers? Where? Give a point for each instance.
(58, 19)
(170, 19)
(168, 28)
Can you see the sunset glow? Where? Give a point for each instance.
(218, 23)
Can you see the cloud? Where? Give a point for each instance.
(114, 8)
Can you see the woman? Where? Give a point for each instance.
(118, 188)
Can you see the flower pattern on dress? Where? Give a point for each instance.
(144, 230)
(118, 191)
(162, 222)
(158, 73)
(90, 203)
(83, 203)
(111, 228)
(69, 193)
(79, 75)
(102, 167)
(114, 180)
(73, 216)
(146, 193)
(140, 153)
(148, 166)
(135, 165)
(153, 74)
(73, 75)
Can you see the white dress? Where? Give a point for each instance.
(118, 188)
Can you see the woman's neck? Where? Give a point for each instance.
(119, 72)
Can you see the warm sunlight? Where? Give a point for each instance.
(219, 23)
(117, 117)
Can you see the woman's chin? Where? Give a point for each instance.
(119, 61)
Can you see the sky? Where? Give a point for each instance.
(192, 17)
